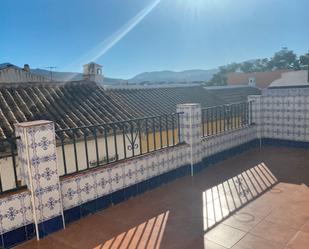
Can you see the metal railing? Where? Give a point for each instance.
(223, 118)
(81, 148)
(9, 180)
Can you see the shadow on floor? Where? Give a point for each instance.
(179, 214)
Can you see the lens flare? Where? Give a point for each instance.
(97, 52)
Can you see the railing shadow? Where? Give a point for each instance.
(228, 197)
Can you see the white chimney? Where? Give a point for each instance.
(252, 81)
(93, 72)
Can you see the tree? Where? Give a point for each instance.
(304, 59)
(283, 59)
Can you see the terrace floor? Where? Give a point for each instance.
(259, 199)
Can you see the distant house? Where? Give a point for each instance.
(10, 73)
(260, 80)
(293, 78)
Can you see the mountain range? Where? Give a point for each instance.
(156, 77)
(146, 78)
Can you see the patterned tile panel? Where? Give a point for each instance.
(227, 140)
(15, 211)
(99, 182)
(282, 113)
(38, 158)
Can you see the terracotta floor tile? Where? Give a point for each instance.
(300, 241)
(253, 242)
(244, 221)
(305, 227)
(289, 216)
(179, 215)
(278, 233)
(224, 235)
(46, 243)
(211, 245)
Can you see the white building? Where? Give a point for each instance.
(10, 73)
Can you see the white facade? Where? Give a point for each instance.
(13, 74)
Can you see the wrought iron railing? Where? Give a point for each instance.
(92, 146)
(223, 118)
(9, 177)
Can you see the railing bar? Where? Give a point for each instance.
(178, 124)
(220, 113)
(154, 134)
(63, 155)
(212, 128)
(124, 141)
(14, 161)
(140, 137)
(106, 144)
(147, 135)
(216, 119)
(86, 150)
(203, 122)
(115, 143)
(160, 123)
(166, 127)
(132, 138)
(173, 130)
(96, 146)
(75, 152)
(250, 107)
(235, 117)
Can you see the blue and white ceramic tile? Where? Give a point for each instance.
(116, 177)
(48, 205)
(152, 166)
(129, 173)
(103, 183)
(86, 187)
(70, 196)
(15, 211)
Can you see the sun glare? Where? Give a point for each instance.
(103, 47)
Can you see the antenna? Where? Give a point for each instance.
(51, 71)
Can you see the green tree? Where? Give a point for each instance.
(283, 59)
(304, 59)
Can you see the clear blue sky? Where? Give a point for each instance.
(132, 36)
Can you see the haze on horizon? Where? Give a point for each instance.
(133, 36)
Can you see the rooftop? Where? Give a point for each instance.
(83, 103)
(253, 200)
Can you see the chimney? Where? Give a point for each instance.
(93, 72)
(27, 68)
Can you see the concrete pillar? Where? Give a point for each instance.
(38, 161)
(191, 131)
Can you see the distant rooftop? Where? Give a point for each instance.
(294, 78)
(82, 103)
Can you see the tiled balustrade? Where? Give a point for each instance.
(95, 189)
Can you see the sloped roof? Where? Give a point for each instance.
(6, 65)
(77, 104)
(143, 102)
(263, 79)
(234, 94)
(294, 78)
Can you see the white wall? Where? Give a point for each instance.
(14, 75)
